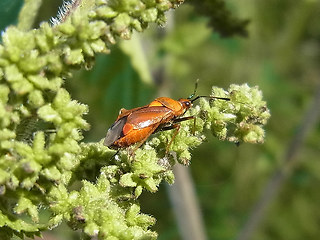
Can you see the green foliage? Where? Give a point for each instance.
(42, 159)
(9, 11)
(239, 120)
(27, 14)
(99, 211)
(281, 57)
(220, 18)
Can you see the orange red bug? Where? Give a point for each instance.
(134, 126)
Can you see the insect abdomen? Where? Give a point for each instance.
(134, 136)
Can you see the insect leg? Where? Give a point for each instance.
(194, 126)
(165, 128)
(184, 119)
(188, 118)
(114, 155)
(138, 144)
(176, 126)
(173, 126)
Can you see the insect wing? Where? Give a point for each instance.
(124, 112)
(114, 132)
(147, 117)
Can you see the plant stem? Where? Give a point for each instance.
(28, 14)
(185, 205)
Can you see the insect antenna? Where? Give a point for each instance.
(212, 97)
(197, 97)
(195, 90)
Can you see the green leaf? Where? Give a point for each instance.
(36, 98)
(17, 224)
(133, 49)
(176, 41)
(220, 17)
(28, 14)
(127, 181)
(4, 176)
(9, 10)
(25, 204)
(48, 114)
(52, 173)
(4, 92)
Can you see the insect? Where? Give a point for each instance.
(134, 126)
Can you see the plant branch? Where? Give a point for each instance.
(38, 167)
(185, 205)
(28, 14)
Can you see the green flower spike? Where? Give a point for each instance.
(45, 170)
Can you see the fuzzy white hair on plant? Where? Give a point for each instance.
(64, 11)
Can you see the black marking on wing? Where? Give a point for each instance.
(115, 132)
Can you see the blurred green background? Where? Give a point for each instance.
(281, 55)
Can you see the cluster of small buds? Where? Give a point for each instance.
(41, 126)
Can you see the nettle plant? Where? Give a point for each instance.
(44, 166)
